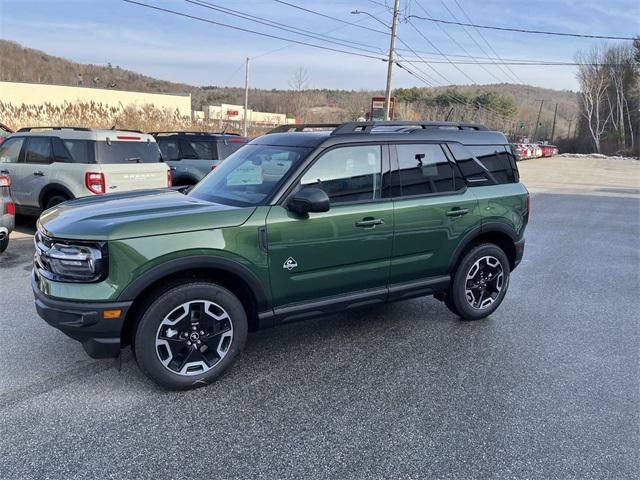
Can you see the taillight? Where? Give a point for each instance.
(527, 207)
(94, 181)
(213, 167)
(11, 209)
(169, 178)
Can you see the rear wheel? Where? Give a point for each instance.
(479, 283)
(190, 335)
(4, 243)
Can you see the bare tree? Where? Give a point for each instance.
(594, 81)
(301, 101)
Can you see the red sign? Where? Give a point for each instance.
(232, 113)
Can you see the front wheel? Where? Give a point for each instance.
(190, 334)
(479, 283)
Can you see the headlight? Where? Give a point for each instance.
(70, 261)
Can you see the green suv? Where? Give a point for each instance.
(303, 221)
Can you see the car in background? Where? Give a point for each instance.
(7, 212)
(548, 150)
(519, 151)
(192, 155)
(50, 165)
(535, 150)
(4, 132)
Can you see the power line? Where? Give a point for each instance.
(476, 42)
(520, 30)
(514, 75)
(454, 41)
(332, 18)
(281, 26)
(234, 27)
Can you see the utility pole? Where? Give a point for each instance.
(553, 129)
(245, 126)
(569, 129)
(535, 133)
(392, 46)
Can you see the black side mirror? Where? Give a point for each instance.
(309, 200)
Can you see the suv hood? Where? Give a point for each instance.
(137, 214)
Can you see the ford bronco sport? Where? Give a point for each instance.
(50, 165)
(299, 222)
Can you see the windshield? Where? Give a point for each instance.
(249, 176)
(127, 152)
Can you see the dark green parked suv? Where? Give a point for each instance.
(299, 222)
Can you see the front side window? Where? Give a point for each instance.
(250, 176)
(38, 150)
(424, 169)
(347, 174)
(10, 150)
(127, 152)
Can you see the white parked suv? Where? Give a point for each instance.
(49, 165)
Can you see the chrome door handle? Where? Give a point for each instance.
(369, 222)
(457, 212)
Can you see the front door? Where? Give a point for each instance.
(344, 250)
(32, 173)
(432, 212)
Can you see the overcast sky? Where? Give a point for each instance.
(180, 49)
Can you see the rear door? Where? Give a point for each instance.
(341, 251)
(131, 165)
(433, 210)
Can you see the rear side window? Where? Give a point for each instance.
(127, 152)
(424, 169)
(38, 150)
(485, 164)
(205, 150)
(170, 149)
(227, 148)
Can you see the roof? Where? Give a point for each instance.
(312, 135)
(194, 134)
(80, 133)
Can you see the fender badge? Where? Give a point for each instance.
(290, 264)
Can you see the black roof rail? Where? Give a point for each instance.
(28, 129)
(300, 127)
(193, 133)
(367, 127)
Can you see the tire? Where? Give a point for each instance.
(480, 282)
(4, 244)
(177, 356)
(55, 200)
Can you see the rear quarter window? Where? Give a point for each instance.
(127, 152)
(485, 164)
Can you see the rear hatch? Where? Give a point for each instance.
(131, 161)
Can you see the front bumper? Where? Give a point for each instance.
(84, 321)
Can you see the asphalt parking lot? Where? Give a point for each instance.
(547, 387)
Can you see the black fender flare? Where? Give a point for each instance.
(475, 232)
(190, 179)
(51, 188)
(193, 262)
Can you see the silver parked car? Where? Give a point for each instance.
(7, 212)
(49, 165)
